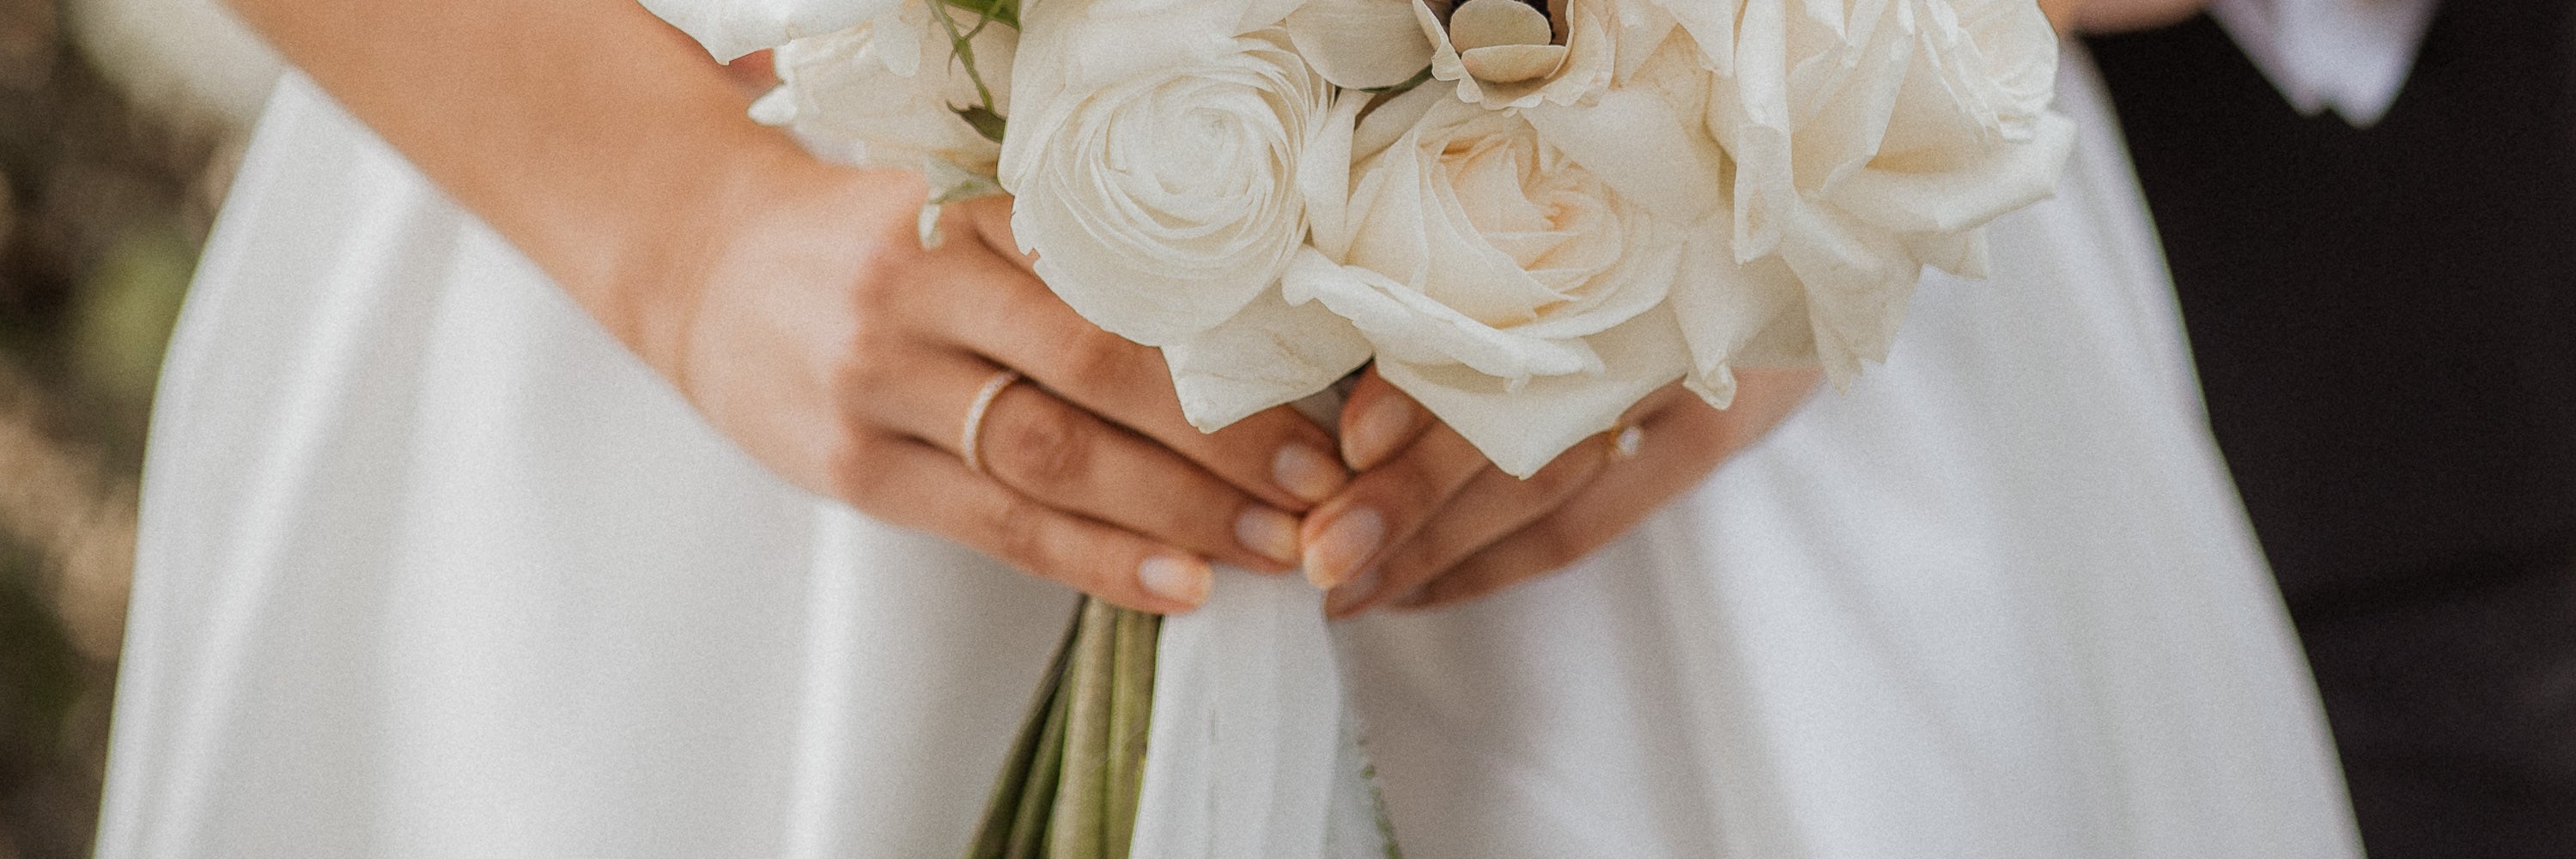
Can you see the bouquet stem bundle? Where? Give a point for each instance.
(1070, 786)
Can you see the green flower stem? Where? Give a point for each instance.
(1070, 787)
(1032, 820)
(1131, 706)
(1081, 801)
(1002, 809)
(963, 44)
(1006, 12)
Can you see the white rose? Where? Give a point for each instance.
(1869, 140)
(1155, 155)
(886, 92)
(1511, 289)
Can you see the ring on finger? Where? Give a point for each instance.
(970, 438)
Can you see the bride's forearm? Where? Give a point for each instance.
(601, 142)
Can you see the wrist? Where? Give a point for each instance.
(668, 253)
(758, 228)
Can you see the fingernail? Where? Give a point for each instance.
(1176, 577)
(1336, 554)
(1375, 433)
(1352, 592)
(1308, 473)
(1268, 533)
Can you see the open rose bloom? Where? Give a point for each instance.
(1528, 214)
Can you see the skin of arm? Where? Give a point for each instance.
(528, 114)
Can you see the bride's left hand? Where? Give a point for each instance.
(1429, 521)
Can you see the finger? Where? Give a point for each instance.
(1377, 421)
(1494, 505)
(911, 484)
(1071, 460)
(990, 218)
(1346, 537)
(1673, 452)
(1277, 455)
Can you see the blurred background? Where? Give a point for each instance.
(120, 123)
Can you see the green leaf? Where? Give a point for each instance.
(985, 121)
(1131, 707)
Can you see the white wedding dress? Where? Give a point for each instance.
(432, 568)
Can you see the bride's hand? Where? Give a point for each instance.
(791, 302)
(1429, 521)
(842, 355)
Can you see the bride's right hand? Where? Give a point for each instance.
(842, 355)
(790, 301)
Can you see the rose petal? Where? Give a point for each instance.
(1324, 177)
(1722, 306)
(1712, 25)
(1270, 353)
(2008, 178)
(1487, 23)
(1640, 145)
(1858, 282)
(1524, 427)
(1406, 326)
(1511, 64)
(1360, 44)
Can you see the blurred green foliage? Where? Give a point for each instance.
(103, 207)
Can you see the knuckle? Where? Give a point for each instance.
(883, 279)
(1431, 550)
(1019, 536)
(1096, 361)
(1043, 448)
(1407, 488)
(872, 368)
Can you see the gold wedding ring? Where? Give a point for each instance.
(970, 439)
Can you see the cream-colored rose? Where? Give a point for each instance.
(1512, 290)
(1868, 140)
(1155, 156)
(886, 92)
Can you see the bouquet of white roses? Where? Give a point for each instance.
(1528, 214)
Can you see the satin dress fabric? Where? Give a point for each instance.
(432, 568)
